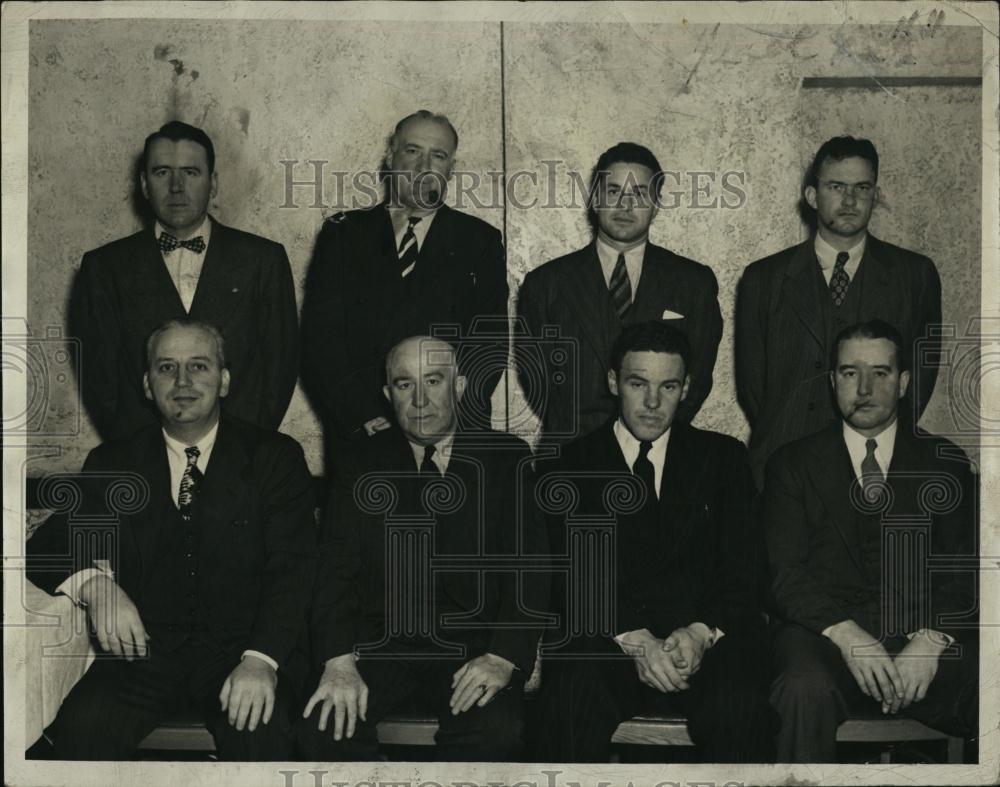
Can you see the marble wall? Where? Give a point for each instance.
(709, 99)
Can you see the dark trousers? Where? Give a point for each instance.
(117, 703)
(584, 700)
(493, 733)
(814, 692)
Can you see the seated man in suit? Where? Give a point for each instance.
(186, 264)
(388, 626)
(404, 267)
(677, 623)
(199, 589)
(853, 513)
(620, 278)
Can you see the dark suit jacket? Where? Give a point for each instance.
(256, 518)
(699, 557)
(782, 350)
(483, 519)
(814, 531)
(124, 292)
(357, 307)
(570, 293)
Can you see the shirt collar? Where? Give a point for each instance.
(205, 230)
(827, 255)
(176, 447)
(884, 441)
(442, 450)
(630, 445)
(608, 254)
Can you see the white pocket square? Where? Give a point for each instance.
(669, 315)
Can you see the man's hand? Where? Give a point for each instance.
(478, 681)
(918, 664)
(654, 665)
(872, 668)
(248, 693)
(687, 646)
(113, 617)
(342, 690)
(376, 425)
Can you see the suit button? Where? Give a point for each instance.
(819, 364)
(190, 554)
(190, 573)
(191, 594)
(812, 406)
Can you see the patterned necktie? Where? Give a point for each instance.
(427, 466)
(408, 250)
(840, 281)
(871, 473)
(644, 470)
(620, 287)
(190, 483)
(168, 243)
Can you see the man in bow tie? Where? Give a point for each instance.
(197, 592)
(660, 609)
(185, 264)
(862, 521)
(618, 279)
(790, 305)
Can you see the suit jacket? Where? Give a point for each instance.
(124, 292)
(257, 532)
(782, 346)
(815, 534)
(697, 556)
(357, 306)
(478, 518)
(570, 293)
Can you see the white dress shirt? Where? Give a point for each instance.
(420, 229)
(442, 452)
(827, 256)
(608, 255)
(184, 265)
(857, 447)
(177, 459)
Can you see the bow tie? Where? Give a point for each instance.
(168, 242)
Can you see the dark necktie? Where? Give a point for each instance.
(840, 281)
(168, 242)
(871, 473)
(190, 483)
(427, 466)
(408, 250)
(620, 287)
(644, 470)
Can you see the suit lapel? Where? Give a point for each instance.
(878, 293)
(679, 484)
(833, 475)
(150, 283)
(654, 280)
(147, 525)
(587, 295)
(224, 487)
(802, 294)
(224, 279)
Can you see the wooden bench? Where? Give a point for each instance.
(419, 730)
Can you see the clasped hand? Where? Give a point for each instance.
(666, 664)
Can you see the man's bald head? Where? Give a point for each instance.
(424, 387)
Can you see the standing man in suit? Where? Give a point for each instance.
(790, 305)
(402, 268)
(679, 626)
(186, 264)
(618, 279)
(389, 626)
(199, 591)
(855, 514)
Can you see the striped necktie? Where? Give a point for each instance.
(408, 250)
(840, 281)
(620, 287)
(190, 483)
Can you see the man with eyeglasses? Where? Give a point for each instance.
(790, 305)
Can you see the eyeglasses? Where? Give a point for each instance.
(861, 191)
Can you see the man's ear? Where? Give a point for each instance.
(224, 387)
(385, 392)
(215, 185)
(613, 382)
(833, 380)
(143, 185)
(684, 390)
(460, 382)
(809, 192)
(904, 383)
(145, 386)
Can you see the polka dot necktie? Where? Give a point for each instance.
(620, 287)
(168, 242)
(408, 249)
(840, 281)
(190, 483)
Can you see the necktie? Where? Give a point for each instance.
(168, 243)
(840, 281)
(190, 483)
(644, 470)
(408, 250)
(620, 287)
(871, 473)
(427, 466)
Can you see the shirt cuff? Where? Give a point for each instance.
(714, 634)
(257, 654)
(934, 636)
(70, 587)
(623, 644)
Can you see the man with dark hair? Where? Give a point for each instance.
(408, 266)
(867, 522)
(186, 264)
(199, 591)
(388, 624)
(618, 279)
(790, 305)
(668, 615)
